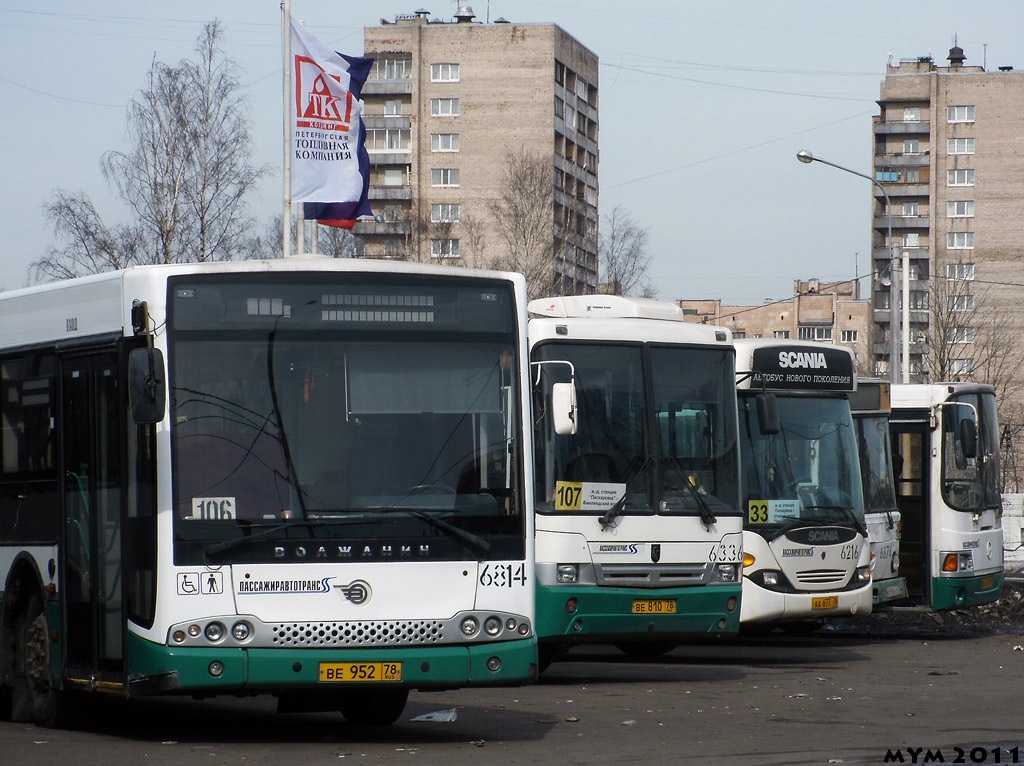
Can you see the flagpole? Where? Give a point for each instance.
(286, 47)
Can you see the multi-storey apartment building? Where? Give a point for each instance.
(447, 105)
(826, 312)
(947, 150)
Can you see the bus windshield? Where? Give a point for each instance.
(806, 473)
(876, 463)
(657, 442)
(356, 420)
(970, 484)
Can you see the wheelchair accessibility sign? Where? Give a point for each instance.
(196, 583)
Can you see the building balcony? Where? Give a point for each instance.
(902, 128)
(901, 222)
(390, 158)
(903, 160)
(386, 87)
(386, 121)
(902, 190)
(389, 193)
(368, 227)
(915, 253)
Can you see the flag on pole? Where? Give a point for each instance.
(330, 170)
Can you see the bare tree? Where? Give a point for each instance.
(622, 251)
(524, 217)
(184, 179)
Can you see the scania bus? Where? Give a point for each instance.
(305, 477)
(639, 530)
(805, 549)
(946, 442)
(871, 407)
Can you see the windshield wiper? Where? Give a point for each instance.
(470, 540)
(609, 516)
(707, 518)
(846, 511)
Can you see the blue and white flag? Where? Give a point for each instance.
(330, 167)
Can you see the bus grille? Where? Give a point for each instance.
(650, 575)
(822, 576)
(377, 633)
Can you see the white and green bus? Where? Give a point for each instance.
(639, 530)
(871, 406)
(307, 477)
(805, 543)
(946, 442)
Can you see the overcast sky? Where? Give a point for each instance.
(703, 107)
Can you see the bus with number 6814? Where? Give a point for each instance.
(304, 477)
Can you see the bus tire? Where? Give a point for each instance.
(35, 695)
(373, 707)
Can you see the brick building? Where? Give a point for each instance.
(447, 103)
(827, 312)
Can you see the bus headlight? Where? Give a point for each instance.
(726, 572)
(241, 631)
(957, 562)
(863, 574)
(492, 626)
(470, 626)
(895, 563)
(567, 574)
(770, 578)
(214, 632)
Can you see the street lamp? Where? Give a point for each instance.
(894, 316)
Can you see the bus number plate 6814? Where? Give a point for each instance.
(360, 672)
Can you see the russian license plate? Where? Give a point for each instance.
(654, 606)
(825, 602)
(360, 672)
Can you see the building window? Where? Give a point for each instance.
(782, 334)
(911, 146)
(444, 107)
(960, 335)
(962, 271)
(911, 239)
(960, 146)
(816, 333)
(387, 140)
(960, 113)
(444, 213)
(391, 68)
(911, 209)
(560, 73)
(960, 303)
(919, 300)
(963, 208)
(961, 366)
(394, 176)
(960, 177)
(444, 72)
(444, 248)
(444, 177)
(393, 107)
(960, 240)
(444, 142)
(849, 336)
(882, 300)
(912, 114)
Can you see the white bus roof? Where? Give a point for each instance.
(607, 306)
(921, 395)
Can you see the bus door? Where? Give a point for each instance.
(912, 470)
(93, 433)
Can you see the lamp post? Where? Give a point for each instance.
(894, 316)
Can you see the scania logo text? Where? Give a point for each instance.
(823, 536)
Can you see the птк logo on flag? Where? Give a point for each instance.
(321, 102)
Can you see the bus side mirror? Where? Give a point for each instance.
(768, 414)
(147, 391)
(968, 438)
(563, 407)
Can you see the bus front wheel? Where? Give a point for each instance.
(34, 696)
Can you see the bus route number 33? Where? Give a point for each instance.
(503, 575)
